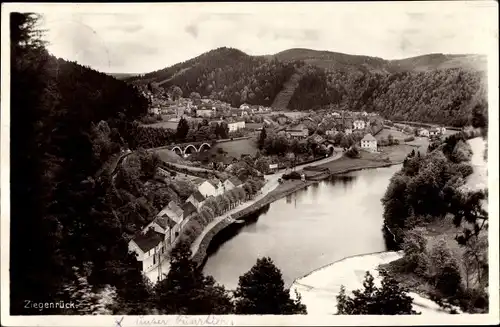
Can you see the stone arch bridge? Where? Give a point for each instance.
(188, 148)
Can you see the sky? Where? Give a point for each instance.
(139, 38)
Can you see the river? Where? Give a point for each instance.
(328, 221)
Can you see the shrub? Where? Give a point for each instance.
(292, 175)
(389, 299)
(465, 169)
(415, 253)
(448, 280)
(444, 269)
(473, 300)
(353, 152)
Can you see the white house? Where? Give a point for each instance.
(331, 132)
(368, 142)
(217, 184)
(424, 132)
(434, 131)
(234, 126)
(443, 129)
(244, 106)
(197, 199)
(348, 131)
(155, 110)
(231, 183)
(148, 247)
(204, 112)
(298, 131)
(359, 124)
(212, 187)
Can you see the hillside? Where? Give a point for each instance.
(445, 96)
(334, 60)
(66, 120)
(365, 64)
(436, 88)
(226, 74)
(122, 76)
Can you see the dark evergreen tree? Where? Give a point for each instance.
(389, 299)
(185, 290)
(262, 291)
(182, 130)
(262, 138)
(66, 120)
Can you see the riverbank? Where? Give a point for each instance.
(389, 156)
(283, 190)
(318, 289)
(470, 295)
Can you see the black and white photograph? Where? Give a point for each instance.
(265, 163)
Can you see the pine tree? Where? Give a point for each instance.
(262, 138)
(187, 291)
(262, 291)
(389, 299)
(182, 130)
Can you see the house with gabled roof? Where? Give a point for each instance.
(197, 199)
(359, 124)
(368, 142)
(148, 247)
(231, 183)
(210, 187)
(188, 209)
(299, 131)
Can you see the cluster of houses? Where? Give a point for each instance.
(232, 124)
(155, 240)
(218, 109)
(431, 132)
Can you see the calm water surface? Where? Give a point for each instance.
(309, 229)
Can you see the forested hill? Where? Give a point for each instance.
(66, 120)
(436, 88)
(444, 96)
(226, 74)
(365, 64)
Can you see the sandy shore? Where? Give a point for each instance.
(319, 288)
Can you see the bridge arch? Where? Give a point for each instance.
(190, 146)
(177, 150)
(204, 145)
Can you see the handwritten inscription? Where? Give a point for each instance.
(182, 320)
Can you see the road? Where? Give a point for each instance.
(271, 184)
(338, 154)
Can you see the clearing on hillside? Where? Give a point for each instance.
(395, 133)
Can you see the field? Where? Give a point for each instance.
(396, 134)
(164, 124)
(237, 148)
(294, 114)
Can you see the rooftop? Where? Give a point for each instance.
(214, 181)
(368, 137)
(148, 240)
(198, 196)
(188, 208)
(235, 181)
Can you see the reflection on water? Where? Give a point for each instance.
(330, 220)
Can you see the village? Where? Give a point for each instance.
(233, 170)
